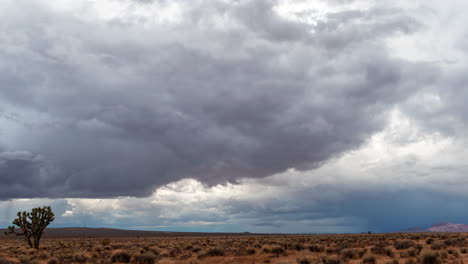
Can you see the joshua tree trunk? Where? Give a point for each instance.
(32, 224)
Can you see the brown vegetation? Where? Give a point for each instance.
(430, 248)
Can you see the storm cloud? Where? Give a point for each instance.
(108, 105)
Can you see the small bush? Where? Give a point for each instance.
(315, 248)
(121, 257)
(53, 261)
(362, 252)
(251, 251)
(393, 261)
(298, 247)
(212, 252)
(437, 245)
(369, 259)
(7, 261)
(454, 241)
(349, 253)
(245, 251)
(331, 260)
(304, 260)
(404, 244)
(388, 251)
(379, 249)
(429, 257)
(196, 249)
(413, 252)
(147, 258)
(215, 252)
(105, 242)
(278, 250)
(80, 258)
(43, 256)
(464, 250)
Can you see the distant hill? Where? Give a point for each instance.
(83, 232)
(441, 227)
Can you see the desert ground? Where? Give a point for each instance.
(402, 248)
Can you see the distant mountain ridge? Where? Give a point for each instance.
(439, 228)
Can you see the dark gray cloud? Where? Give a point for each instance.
(121, 106)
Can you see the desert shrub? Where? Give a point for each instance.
(381, 249)
(429, 240)
(388, 251)
(307, 260)
(410, 261)
(403, 244)
(454, 241)
(419, 247)
(464, 250)
(213, 252)
(80, 258)
(251, 251)
(369, 259)
(185, 256)
(304, 260)
(105, 242)
(298, 246)
(53, 261)
(412, 252)
(245, 251)
(174, 252)
(121, 257)
(28, 260)
(147, 258)
(188, 247)
(257, 246)
(437, 245)
(7, 261)
(43, 256)
(196, 249)
(331, 260)
(154, 250)
(393, 261)
(315, 248)
(278, 250)
(349, 253)
(429, 257)
(378, 249)
(362, 252)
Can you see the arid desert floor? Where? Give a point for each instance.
(427, 248)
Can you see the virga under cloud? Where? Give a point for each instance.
(104, 99)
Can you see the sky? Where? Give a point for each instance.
(291, 116)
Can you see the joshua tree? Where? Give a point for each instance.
(32, 224)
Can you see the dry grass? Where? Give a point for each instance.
(261, 249)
